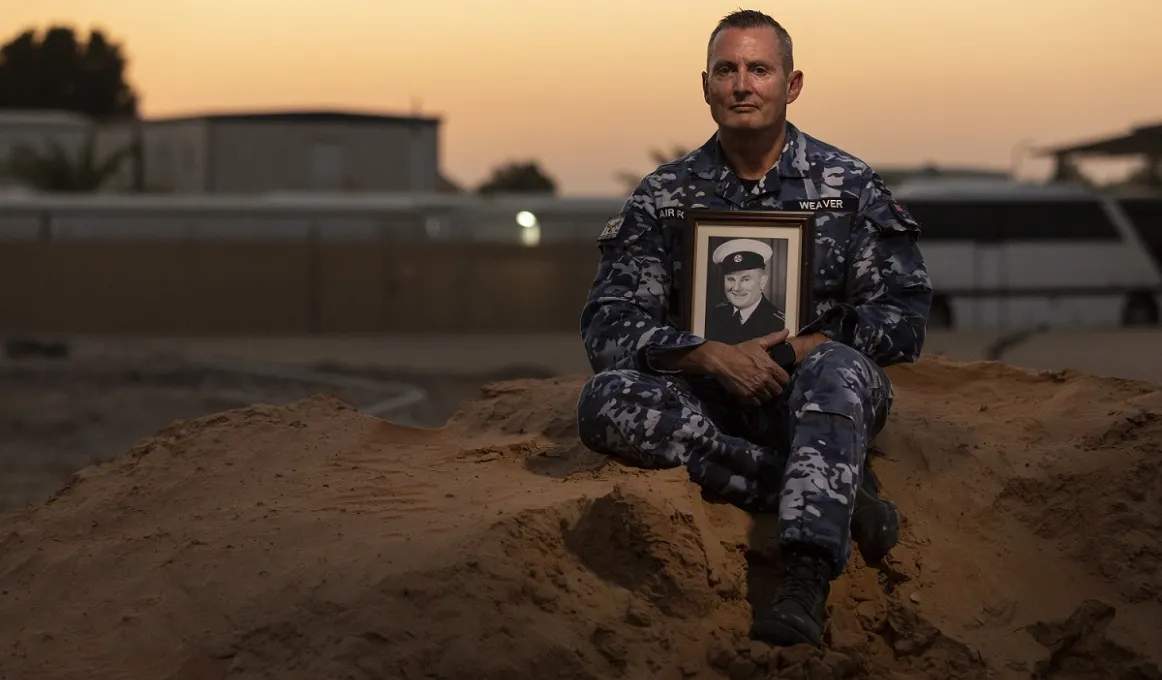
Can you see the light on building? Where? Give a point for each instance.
(526, 219)
(530, 236)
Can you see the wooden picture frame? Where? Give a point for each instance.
(758, 262)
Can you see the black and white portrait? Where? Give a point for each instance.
(749, 273)
(746, 291)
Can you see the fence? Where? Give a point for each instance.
(390, 263)
(296, 265)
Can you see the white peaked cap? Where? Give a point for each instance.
(742, 246)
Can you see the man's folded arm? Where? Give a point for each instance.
(624, 322)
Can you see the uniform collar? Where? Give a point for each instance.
(711, 163)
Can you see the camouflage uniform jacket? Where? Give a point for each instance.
(870, 283)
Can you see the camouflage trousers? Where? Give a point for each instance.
(800, 455)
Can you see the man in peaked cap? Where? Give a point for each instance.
(787, 437)
(746, 313)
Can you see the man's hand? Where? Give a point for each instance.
(747, 371)
(805, 343)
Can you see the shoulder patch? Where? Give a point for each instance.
(901, 213)
(612, 228)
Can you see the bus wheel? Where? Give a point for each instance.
(940, 315)
(1140, 310)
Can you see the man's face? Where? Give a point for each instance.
(744, 84)
(743, 288)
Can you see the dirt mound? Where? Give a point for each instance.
(313, 541)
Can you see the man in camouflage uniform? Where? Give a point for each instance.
(793, 440)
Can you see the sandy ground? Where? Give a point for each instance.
(56, 417)
(310, 540)
(269, 507)
(59, 416)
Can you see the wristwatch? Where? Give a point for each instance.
(784, 355)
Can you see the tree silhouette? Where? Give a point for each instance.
(54, 170)
(58, 72)
(518, 178)
(630, 180)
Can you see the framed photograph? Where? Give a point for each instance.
(748, 273)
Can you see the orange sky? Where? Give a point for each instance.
(588, 87)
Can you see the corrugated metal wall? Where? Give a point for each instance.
(254, 287)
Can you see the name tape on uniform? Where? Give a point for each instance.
(848, 203)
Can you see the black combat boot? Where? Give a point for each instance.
(875, 522)
(798, 612)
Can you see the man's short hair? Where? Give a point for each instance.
(752, 18)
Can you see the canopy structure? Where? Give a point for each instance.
(1145, 141)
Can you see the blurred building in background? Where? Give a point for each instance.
(238, 153)
(895, 176)
(1142, 143)
(234, 153)
(337, 222)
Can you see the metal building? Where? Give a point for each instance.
(241, 153)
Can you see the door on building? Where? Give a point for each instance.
(327, 166)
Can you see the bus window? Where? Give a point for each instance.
(1146, 214)
(949, 221)
(1075, 220)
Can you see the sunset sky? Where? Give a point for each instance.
(587, 88)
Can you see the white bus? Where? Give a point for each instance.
(1007, 255)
